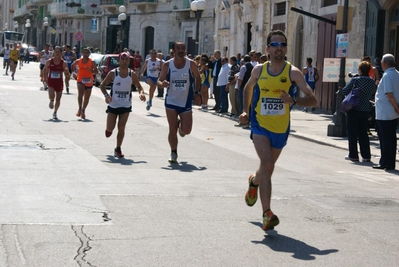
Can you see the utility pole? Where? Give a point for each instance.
(338, 126)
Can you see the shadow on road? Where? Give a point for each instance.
(299, 249)
(122, 161)
(55, 121)
(183, 167)
(154, 115)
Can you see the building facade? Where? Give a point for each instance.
(243, 25)
(157, 24)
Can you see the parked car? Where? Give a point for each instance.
(96, 58)
(107, 63)
(33, 53)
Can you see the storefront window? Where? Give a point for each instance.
(395, 13)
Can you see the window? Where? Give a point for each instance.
(329, 3)
(279, 9)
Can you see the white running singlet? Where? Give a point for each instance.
(46, 57)
(153, 68)
(179, 84)
(7, 53)
(121, 91)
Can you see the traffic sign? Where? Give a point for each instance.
(342, 43)
(78, 36)
(332, 66)
(53, 31)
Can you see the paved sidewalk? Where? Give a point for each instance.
(313, 127)
(310, 126)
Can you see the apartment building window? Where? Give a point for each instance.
(329, 3)
(279, 9)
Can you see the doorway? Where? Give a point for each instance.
(149, 39)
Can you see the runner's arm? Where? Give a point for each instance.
(144, 68)
(162, 76)
(66, 70)
(136, 82)
(94, 69)
(309, 100)
(109, 78)
(45, 70)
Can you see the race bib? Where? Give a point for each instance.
(179, 85)
(55, 75)
(121, 95)
(68, 61)
(86, 80)
(272, 107)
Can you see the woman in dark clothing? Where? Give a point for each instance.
(357, 119)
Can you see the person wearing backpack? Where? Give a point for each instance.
(357, 118)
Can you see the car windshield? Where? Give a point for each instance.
(113, 62)
(32, 49)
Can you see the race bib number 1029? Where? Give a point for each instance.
(272, 107)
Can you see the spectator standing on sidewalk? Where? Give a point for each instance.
(311, 77)
(270, 117)
(222, 85)
(216, 65)
(357, 119)
(243, 77)
(137, 63)
(387, 112)
(234, 69)
(205, 82)
(160, 90)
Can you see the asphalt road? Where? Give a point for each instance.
(66, 201)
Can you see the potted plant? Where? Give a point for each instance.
(78, 4)
(12, 10)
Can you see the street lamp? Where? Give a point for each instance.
(6, 26)
(197, 6)
(45, 25)
(16, 26)
(27, 26)
(122, 17)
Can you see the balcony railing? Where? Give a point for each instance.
(112, 2)
(143, 1)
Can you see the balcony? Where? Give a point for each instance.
(112, 5)
(41, 2)
(143, 1)
(144, 5)
(20, 13)
(59, 9)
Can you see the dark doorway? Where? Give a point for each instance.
(249, 38)
(374, 38)
(117, 34)
(191, 47)
(148, 40)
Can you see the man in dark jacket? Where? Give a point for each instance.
(215, 66)
(243, 77)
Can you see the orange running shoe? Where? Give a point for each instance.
(269, 220)
(252, 194)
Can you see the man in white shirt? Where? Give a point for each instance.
(222, 82)
(387, 112)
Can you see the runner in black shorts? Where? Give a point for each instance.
(120, 99)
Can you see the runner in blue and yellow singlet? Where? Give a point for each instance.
(268, 94)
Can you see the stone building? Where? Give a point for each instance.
(243, 25)
(157, 24)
